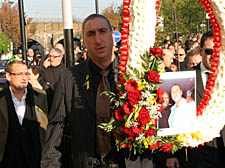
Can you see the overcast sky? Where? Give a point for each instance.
(52, 8)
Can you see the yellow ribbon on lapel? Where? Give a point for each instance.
(87, 83)
(41, 117)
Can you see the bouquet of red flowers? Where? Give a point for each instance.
(136, 109)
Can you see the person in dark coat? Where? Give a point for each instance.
(75, 103)
(51, 73)
(23, 120)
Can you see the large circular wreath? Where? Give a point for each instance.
(139, 23)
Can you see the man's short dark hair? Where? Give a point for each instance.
(93, 16)
(205, 36)
(10, 64)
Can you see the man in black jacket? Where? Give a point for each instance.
(23, 120)
(75, 102)
(51, 73)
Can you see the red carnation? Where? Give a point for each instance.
(143, 117)
(134, 97)
(128, 108)
(153, 76)
(137, 130)
(167, 147)
(150, 132)
(156, 145)
(131, 86)
(157, 51)
(119, 114)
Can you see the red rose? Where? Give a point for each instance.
(156, 145)
(131, 86)
(137, 130)
(167, 147)
(119, 114)
(150, 132)
(153, 76)
(128, 108)
(157, 51)
(143, 117)
(134, 97)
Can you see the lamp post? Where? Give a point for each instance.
(207, 20)
(22, 30)
(96, 7)
(11, 31)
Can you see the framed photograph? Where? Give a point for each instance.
(179, 105)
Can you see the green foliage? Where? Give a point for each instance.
(190, 14)
(4, 44)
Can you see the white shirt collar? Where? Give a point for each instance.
(203, 68)
(20, 106)
(14, 97)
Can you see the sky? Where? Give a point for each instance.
(53, 8)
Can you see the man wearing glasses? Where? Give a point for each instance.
(52, 72)
(22, 120)
(212, 154)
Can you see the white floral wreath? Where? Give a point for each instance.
(139, 23)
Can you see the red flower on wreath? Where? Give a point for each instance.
(167, 147)
(129, 132)
(131, 86)
(150, 132)
(128, 108)
(156, 145)
(157, 51)
(137, 130)
(143, 117)
(119, 114)
(121, 79)
(153, 76)
(160, 93)
(134, 97)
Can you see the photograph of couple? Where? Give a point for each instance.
(179, 106)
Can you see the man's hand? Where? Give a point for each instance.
(172, 163)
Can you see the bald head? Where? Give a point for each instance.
(167, 58)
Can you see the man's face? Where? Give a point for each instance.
(98, 40)
(172, 49)
(18, 77)
(30, 53)
(194, 60)
(54, 58)
(176, 93)
(181, 55)
(166, 99)
(168, 58)
(207, 53)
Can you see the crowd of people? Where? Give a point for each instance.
(49, 113)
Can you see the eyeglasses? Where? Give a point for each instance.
(54, 56)
(178, 54)
(208, 51)
(27, 74)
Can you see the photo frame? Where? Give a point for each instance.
(179, 103)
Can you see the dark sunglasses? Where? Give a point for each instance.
(208, 51)
(178, 54)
